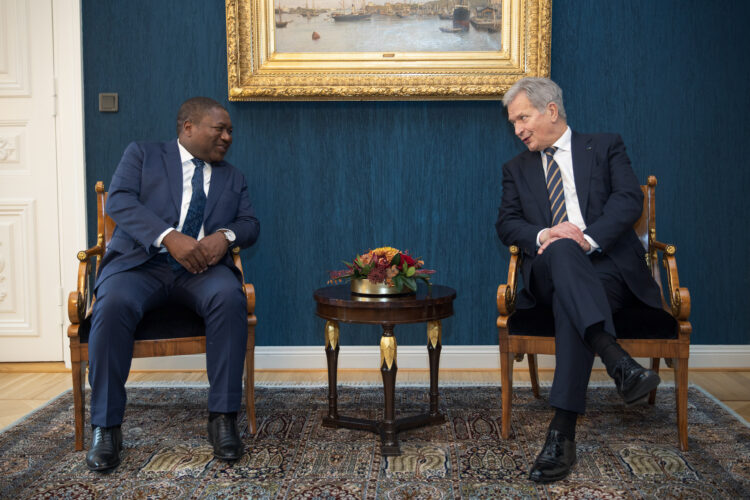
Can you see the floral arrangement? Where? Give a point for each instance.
(385, 265)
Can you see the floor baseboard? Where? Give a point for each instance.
(475, 357)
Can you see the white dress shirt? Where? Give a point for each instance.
(564, 159)
(188, 168)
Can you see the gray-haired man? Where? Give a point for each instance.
(569, 203)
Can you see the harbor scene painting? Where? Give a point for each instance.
(381, 26)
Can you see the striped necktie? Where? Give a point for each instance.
(555, 188)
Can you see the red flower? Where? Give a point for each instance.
(406, 258)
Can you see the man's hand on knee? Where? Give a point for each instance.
(563, 230)
(566, 230)
(187, 251)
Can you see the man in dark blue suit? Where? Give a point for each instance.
(569, 203)
(179, 208)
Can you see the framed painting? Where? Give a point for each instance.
(383, 49)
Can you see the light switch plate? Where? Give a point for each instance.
(108, 102)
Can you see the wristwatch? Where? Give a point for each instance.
(229, 235)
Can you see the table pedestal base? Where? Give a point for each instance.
(387, 449)
(389, 427)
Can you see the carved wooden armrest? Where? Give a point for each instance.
(506, 292)
(679, 297)
(78, 300)
(248, 288)
(250, 294)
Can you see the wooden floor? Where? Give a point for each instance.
(26, 386)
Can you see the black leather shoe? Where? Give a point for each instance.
(555, 460)
(633, 381)
(224, 436)
(106, 445)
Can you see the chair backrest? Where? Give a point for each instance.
(645, 225)
(645, 228)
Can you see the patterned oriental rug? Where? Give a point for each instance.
(623, 452)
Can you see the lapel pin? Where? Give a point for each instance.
(588, 148)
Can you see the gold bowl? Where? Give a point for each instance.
(364, 286)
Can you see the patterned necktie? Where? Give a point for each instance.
(555, 188)
(194, 217)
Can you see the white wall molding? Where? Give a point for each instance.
(479, 357)
(18, 268)
(12, 146)
(14, 48)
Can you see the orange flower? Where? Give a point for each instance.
(391, 272)
(389, 252)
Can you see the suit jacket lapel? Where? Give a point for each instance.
(533, 173)
(219, 175)
(174, 174)
(583, 160)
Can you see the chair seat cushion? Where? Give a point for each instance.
(630, 323)
(168, 322)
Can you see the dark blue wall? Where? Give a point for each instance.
(332, 179)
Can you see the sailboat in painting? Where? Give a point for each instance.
(280, 23)
(354, 15)
(460, 20)
(307, 12)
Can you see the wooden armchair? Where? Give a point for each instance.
(168, 331)
(642, 332)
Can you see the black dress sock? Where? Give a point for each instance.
(564, 422)
(605, 346)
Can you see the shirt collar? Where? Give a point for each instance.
(185, 155)
(564, 141)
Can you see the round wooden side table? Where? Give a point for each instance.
(430, 304)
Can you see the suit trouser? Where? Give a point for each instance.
(583, 291)
(121, 301)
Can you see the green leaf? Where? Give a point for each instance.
(396, 260)
(398, 284)
(411, 284)
(359, 270)
(410, 271)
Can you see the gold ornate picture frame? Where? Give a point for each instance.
(256, 71)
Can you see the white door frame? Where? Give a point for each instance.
(71, 159)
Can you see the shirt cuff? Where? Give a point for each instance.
(594, 245)
(157, 241)
(538, 237)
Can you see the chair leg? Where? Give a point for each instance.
(250, 379)
(506, 379)
(655, 367)
(533, 374)
(681, 390)
(79, 401)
